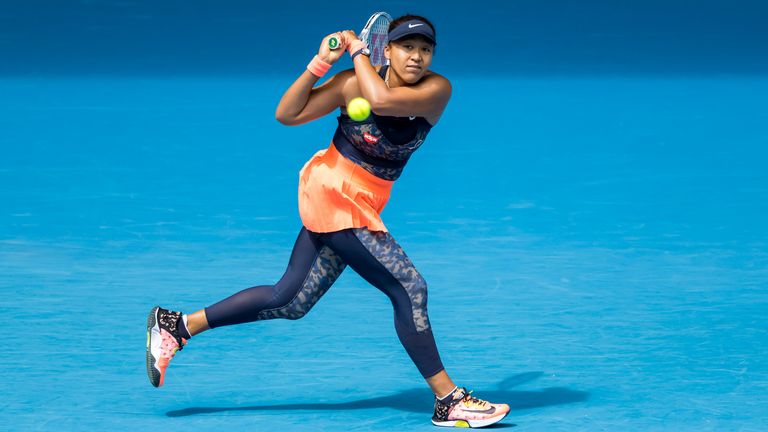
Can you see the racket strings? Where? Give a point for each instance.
(376, 39)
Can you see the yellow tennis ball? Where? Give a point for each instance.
(358, 109)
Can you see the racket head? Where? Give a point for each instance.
(374, 34)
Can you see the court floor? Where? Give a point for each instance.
(595, 250)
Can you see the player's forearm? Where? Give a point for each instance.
(295, 98)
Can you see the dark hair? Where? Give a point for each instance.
(407, 17)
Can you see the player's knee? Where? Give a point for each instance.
(418, 294)
(419, 290)
(295, 314)
(296, 309)
(284, 304)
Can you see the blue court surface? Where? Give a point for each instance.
(595, 247)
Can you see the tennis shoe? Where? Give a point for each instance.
(163, 342)
(461, 409)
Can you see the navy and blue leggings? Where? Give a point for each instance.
(316, 262)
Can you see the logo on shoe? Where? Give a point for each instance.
(370, 139)
(490, 410)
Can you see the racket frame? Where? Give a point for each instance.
(377, 48)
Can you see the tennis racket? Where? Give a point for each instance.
(374, 34)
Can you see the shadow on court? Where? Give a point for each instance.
(420, 400)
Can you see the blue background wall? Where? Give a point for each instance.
(499, 37)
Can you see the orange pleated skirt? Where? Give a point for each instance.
(336, 194)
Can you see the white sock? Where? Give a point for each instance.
(184, 321)
(443, 398)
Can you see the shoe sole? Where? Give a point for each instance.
(152, 372)
(469, 423)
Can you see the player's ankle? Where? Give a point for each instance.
(183, 327)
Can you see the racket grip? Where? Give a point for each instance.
(333, 43)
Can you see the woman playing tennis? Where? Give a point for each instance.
(342, 191)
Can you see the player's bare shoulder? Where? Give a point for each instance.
(435, 79)
(349, 87)
(347, 77)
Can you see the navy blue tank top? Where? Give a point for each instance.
(381, 145)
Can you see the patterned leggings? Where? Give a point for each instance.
(316, 262)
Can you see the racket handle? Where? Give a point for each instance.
(333, 42)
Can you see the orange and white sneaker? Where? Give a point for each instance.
(461, 409)
(163, 341)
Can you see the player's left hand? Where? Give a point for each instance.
(347, 36)
(326, 53)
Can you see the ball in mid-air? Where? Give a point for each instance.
(358, 109)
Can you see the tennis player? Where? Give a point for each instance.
(342, 191)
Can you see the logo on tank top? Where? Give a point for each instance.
(370, 139)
